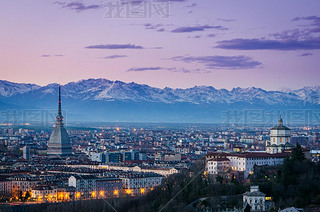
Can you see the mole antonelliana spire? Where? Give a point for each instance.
(59, 116)
(59, 142)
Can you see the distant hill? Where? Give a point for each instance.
(104, 100)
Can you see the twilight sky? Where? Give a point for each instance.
(270, 44)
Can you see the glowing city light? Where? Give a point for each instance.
(93, 194)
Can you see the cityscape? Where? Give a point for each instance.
(158, 105)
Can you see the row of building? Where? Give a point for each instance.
(219, 163)
(117, 156)
(79, 186)
(277, 149)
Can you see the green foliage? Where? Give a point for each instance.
(288, 172)
(295, 183)
(297, 153)
(247, 208)
(28, 195)
(180, 190)
(219, 179)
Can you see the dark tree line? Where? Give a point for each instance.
(295, 183)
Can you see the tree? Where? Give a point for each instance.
(27, 196)
(297, 153)
(20, 195)
(288, 173)
(219, 179)
(247, 208)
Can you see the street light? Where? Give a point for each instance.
(101, 193)
(142, 190)
(93, 194)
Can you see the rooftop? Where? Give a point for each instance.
(280, 126)
(249, 154)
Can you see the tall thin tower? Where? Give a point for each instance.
(59, 142)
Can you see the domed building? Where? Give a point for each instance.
(280, 139)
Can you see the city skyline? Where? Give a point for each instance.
(271, 45)
(160, 105)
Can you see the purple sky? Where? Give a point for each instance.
(270, 44)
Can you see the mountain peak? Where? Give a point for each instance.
(8, 88)
(104, 89)
(105, 100)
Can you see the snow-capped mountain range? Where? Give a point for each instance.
(99, 96)
(8, 89)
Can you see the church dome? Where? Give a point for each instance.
(280, 126)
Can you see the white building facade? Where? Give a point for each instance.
(135, 184)
(242, 162)
(44, 193)
(280, 139)
(85, 185)
(255, 199)
(245, 162)
(218, 165)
